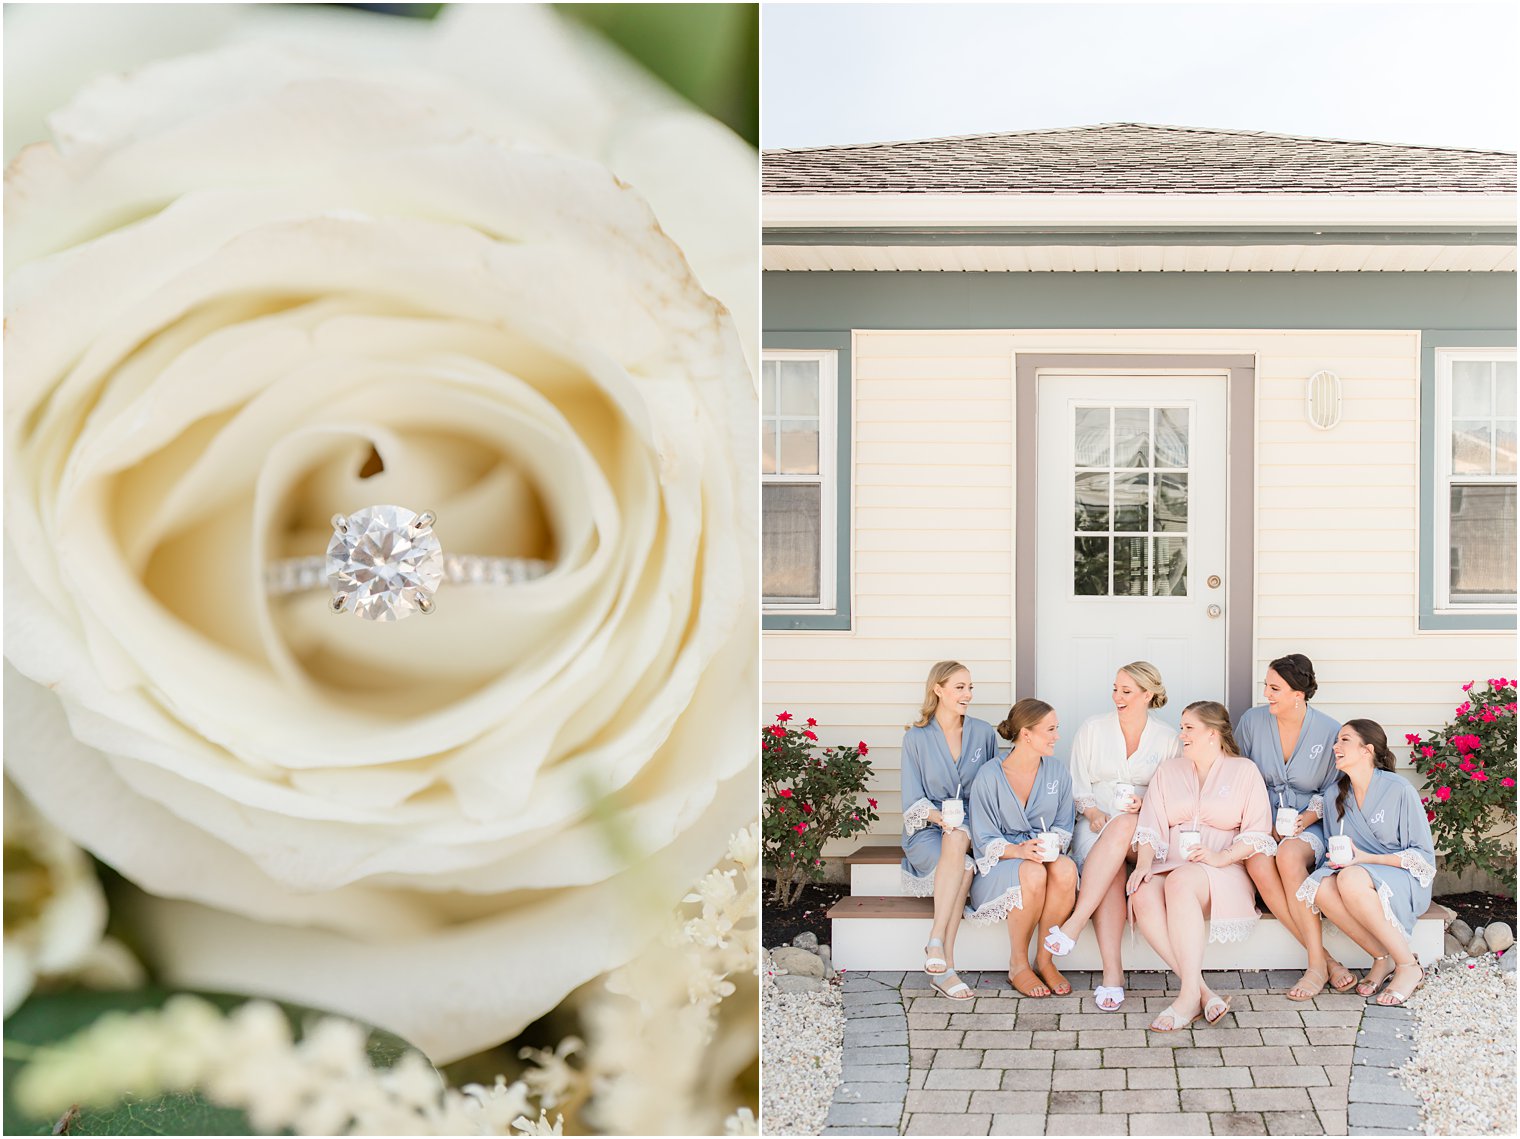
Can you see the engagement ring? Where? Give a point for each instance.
(384, 563)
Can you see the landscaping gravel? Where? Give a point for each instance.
(1463, 1068)
(802, 1042)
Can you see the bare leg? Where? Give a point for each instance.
(1294, 860)
(1021, 924)
(956, 913)
(1150, 916)
(1109, 922)
(1330, 900)
(1187, 900)
(1263, 871)
(1105, 861)
(950, 885)
(1358, 893)
(1060, 895)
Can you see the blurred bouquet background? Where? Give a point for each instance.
(640, 1017)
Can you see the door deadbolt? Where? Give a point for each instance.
(1215, 611)
(1215, 581)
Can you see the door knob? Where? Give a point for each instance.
(1215, 581)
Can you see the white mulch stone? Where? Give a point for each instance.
(801, 1051)
(1464, 1049)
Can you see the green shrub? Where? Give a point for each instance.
(811, 795)
(1469, 770)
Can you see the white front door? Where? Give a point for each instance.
(1131, 530)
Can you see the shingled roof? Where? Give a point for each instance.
(1129, 158)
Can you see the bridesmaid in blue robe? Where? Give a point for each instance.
(1011, 802)
(941, 755)
(1297, 779)
(1376, 898)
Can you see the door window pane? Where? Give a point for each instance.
(1132, 436)
(1483, 543)
(1132, 508)
(790, 527)
(1090, 567)
(1171, 502)
(1091, 439)
(770, 378)
(1171, 568)
(1092, 501)
(1131, 567)
(1171, 437)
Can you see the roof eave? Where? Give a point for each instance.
(1211, 211)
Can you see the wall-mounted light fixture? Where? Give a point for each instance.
(1323, 399)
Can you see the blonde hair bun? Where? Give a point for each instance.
(1148, 677)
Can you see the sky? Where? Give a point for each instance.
(1431, 74)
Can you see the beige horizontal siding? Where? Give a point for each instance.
(1337, 529)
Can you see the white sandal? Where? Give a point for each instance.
(960, 991)
(1057, 944)
(1113, 993)
(930, 960)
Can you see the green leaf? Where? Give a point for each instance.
(710, 53)
(51, 1018)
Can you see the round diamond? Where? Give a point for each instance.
(383, 564)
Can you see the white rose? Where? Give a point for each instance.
(238, 279)
(55, 913)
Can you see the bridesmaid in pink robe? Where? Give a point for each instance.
(1183, 903)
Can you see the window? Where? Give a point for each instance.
(799, 480)
(1475, 480)
(1130, 517)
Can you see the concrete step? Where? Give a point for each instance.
(885, 932)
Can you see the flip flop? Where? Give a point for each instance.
(1113, 993)
(1398, 996)
(1310, 989)
(1057, 944)
(930, 960)
(1223, 1003)
(1171, 1011)
(1013, 979)
(941, 984)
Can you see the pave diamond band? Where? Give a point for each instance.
(385, 563)
(302, 575)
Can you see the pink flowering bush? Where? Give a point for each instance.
(811, 795)
(1469, 770)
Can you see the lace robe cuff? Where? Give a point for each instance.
(916, 817)
(1084, 803)
(1260, 843)
(1065, 838)
(1414, 862)
(1145, 836)
(1317, 805)
(992, 857)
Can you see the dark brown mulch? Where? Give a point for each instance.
(1477, 908)
(778, 926)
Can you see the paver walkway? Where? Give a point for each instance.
(1004, 1064)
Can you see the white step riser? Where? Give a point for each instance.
(876, 880)
(898, 943)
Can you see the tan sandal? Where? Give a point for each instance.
(1351, 978)
(1026, 971)
(1222, 1003)
(1310, 988)
(1177, 1021)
